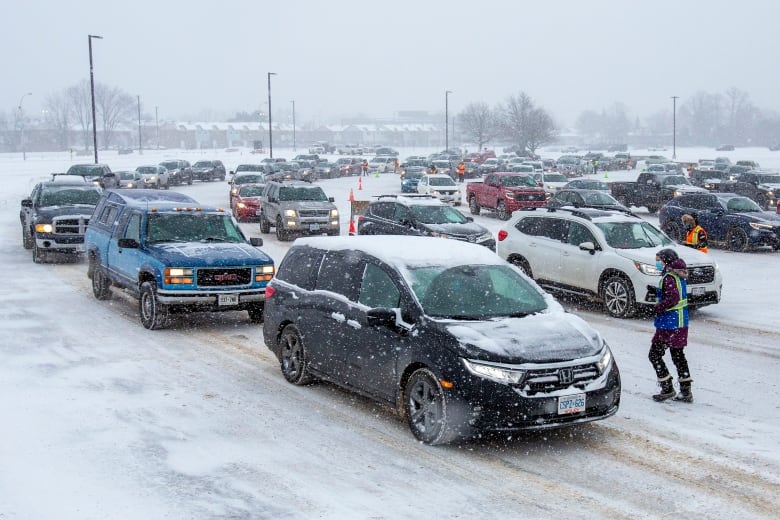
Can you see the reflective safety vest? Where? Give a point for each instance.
(692, 239)
(461, 169)
(677, 316)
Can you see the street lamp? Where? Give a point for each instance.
(270, 128)
(140, 142)
(92, 91)
(293, 104)
(447, 119)
(674, 126)
(157, 127)
(21, 126)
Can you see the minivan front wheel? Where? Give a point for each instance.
(292, 356)
(618, 297)
(427, 409)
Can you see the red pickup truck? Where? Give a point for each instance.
(504, 193)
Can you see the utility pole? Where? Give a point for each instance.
(270, 127)
(293, 104)
(92, 90)
(140, 144)
(674, 126)
(21, 126)
(447, 119)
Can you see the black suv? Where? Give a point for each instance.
(91, 172)
(55, 216)
(179, 171)
(209, 171)
(446, 333)
(421, 215)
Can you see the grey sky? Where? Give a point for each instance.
(348, 57)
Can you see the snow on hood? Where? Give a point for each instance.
(466, 228)
(646, 255)
(195, 254)
(542, 337)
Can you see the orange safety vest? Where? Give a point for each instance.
(693, 238)
(461, 169)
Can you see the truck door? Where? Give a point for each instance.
(123, 262)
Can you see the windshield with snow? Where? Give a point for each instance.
(183, 227)
(633, 235)
(60, 196)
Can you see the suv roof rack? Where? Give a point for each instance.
(409, 196)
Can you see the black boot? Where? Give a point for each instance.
(685, 395)
(667, 389)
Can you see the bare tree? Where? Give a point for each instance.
(115, 107)
(57, 116)
(478, 123)
(589, 124)
(526, 125)
(80, 101)
(702, 116)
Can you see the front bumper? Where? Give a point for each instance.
(61, 244)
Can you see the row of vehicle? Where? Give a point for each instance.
(168, 173)
(761, 186)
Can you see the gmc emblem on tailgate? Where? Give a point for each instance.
(226, 277)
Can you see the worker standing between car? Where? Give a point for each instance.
(395, 165)
(595, 166)
(461, 171)
(432, 170)
(671, 327)
(696, 237)
(364, 167)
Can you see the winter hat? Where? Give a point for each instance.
(667, 255)
(678, 264)
(689, 218)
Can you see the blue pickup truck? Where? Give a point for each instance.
(174, 255)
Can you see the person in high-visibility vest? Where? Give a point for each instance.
(671, 327)
(696, 237)
(461, 171)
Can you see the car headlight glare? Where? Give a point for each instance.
(605, 361)
(334, 213)
(44, 228)
(648, 269)
(290, 213)
(499, 374)
(759, 226)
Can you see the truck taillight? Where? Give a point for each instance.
(502, 234)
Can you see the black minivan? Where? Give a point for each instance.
(451, 336)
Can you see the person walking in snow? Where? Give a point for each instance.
(671, 327)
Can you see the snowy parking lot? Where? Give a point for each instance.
(105, 419)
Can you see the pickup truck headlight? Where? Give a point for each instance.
(648, 269)
(290, 213)
(264, 273)
(499, 374)
(178, 275)
(334, 213)
(509, 195)
(241, 205)
(44, 228)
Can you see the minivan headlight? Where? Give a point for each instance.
(499, 374)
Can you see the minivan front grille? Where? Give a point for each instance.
(551, 379)
(225, 277)
(70, 225)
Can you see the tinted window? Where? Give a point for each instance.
(554, 228)
(340, 273)
(299, 267)
(579, 234)
(378, 289)
(383, 209)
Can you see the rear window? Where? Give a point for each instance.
(300, 266)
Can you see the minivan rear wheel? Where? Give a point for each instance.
(427, 409)
(292, 356)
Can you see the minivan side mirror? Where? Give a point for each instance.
(381, 316)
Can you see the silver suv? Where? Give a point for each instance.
(297, 208)
(605, 255)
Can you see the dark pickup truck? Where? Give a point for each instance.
(652, 190)
(504, 193)
(762, 187)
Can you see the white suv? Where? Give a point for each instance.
(605, 255)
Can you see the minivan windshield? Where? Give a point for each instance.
(475, 292)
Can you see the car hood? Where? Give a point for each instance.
(543, 337)
(764, 217)
(49, 212)
(646, 255)
(465, 229)
(212, 254)
(685, 188)
(313, 204)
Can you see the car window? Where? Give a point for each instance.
(377, 289)
(108, 215)
(300, 266)
(340, 273)
(578, 234)
(402, 214)
(133, 229)
(382, 209)
(437, 215)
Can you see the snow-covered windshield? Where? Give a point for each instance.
(769, 179)
(182, 227)
(475, 292)
(633, 235)
(302, 193)
(437, 215)
(54, 196)
(674, 180)
(441, 181)
(250, 168)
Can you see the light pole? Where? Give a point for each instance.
(157, 127)
(21, 126)
(293, 104)
(674, 126)
(270, 128)
(447, 119)
(140, 142)
(92, 91)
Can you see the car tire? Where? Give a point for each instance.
(737, 239)
(281, 234)
(650, 209)
(101, 285)
(265, 226)
(256, 313)
(501, 211)
(618, 296)
(523, 264)
(427, 409)
(473, 206)
(292, 357)
(27, 238)
(674, 231)
(154, 315)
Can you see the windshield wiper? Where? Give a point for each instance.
(215, 239)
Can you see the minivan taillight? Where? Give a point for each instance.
(269, 292)
(502, 234)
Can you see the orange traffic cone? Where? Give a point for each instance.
(360, 183)
(351, 195)
(352, 231)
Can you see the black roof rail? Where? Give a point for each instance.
(574, 211)
(405, 195)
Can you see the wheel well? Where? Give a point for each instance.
(609, 273)
(407, 373)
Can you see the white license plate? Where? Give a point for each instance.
(227, 299)
(314, 227)
(571, 404)
(697, 291)
(258, 212)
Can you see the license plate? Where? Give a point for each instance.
(258, 212)
(314, 227)
(697, 291)
(571, 404)
(227, 299)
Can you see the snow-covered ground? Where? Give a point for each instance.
(103, 419)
